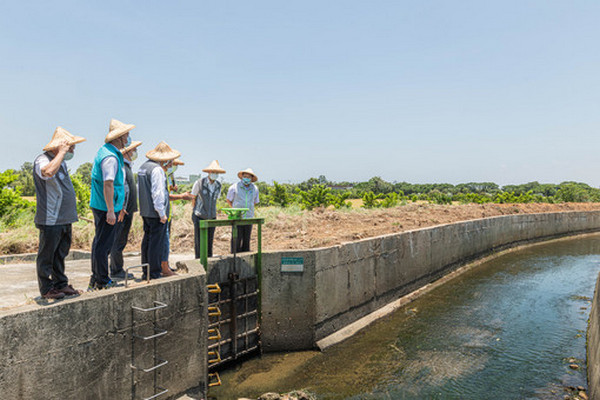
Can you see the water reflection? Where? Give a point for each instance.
(507, 329)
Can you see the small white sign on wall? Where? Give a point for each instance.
(292, 264)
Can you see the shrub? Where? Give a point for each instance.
(317, 196)
(370, 200)
(339, 200)
(280, 195)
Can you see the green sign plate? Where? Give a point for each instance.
(292, 264)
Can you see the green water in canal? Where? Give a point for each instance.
(507, 329)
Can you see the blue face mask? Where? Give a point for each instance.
(246, 181)
(68, 156)
(128, 143)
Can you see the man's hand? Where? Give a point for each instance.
(122, 215)
(163, 219)
(110, 217)
(63, 147)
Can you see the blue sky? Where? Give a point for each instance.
(427, 91)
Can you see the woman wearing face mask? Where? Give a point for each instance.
(123, 225)
(244, 194)
(206, 192)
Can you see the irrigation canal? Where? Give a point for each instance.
(507, 329)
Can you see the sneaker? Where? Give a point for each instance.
(107, 285)
(53, 294)
(69, 291)
(91, 288)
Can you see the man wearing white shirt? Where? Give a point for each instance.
(154, 202)
(107, 199)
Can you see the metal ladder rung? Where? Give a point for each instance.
(159, 333)
(157, 366)
(157, 394)
(158, 306)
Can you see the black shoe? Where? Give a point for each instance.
(121, 275)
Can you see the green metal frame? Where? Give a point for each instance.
(234, 223)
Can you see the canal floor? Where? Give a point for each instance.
(511, 328)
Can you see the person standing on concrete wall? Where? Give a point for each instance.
(55, 212)
(155, 206)
(206, 192)
(107, 199)
(172, 185)
(124, 221)
(244, 194)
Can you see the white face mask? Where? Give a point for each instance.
(133, 155)
(68, 156)
(213, 176)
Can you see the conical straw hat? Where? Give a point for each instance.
(117, 129)
(162, 152)
(214, 167)
(60, 135)
(248, 171)
(178, 162)
(134, 145)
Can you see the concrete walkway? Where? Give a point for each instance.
(19, 286)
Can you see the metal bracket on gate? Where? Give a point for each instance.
(216, 334)
(214, 311)
(218, 379)
(213, 288)
(214, 360)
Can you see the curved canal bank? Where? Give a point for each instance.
(510, 328)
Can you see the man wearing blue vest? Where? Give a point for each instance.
(244, 194)
(107, 199)
(55, 212)
(153, 196)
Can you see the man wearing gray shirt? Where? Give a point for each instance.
(56, 210)
(244, 194)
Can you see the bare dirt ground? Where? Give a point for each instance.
(291, 228)
(327, 227)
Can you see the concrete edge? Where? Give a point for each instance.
(351, 329)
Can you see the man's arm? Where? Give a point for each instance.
(158, 181)
(109, 191)
(50, 169)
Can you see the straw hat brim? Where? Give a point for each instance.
(54, 143)
(178, 162)
(163, 156)
(215, 170)
(117, 133)
(133, 145)
(248, 171)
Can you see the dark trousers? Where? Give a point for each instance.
(243, 238)
(211, 237)
(116, 252)
(153, 245)
(55, 242)
(103, 242)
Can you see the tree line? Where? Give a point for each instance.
(316, 192)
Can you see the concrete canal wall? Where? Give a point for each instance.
(339, 285)
(83, 348)
(593, 346)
